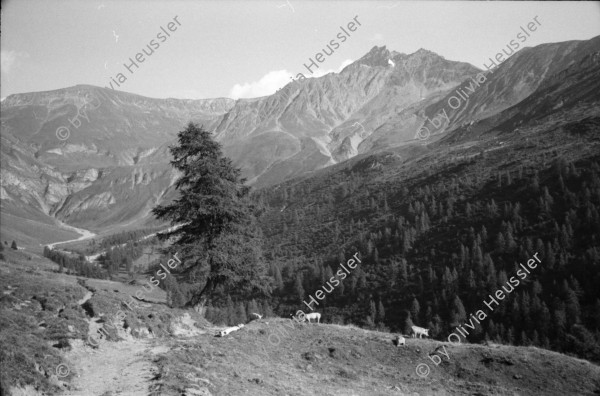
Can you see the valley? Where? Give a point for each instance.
(430, 226)
(85, 234)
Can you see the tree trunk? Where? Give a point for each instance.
(198, 301)
(200, 307)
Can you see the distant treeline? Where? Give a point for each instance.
(122, 257)
(116, 257)
(117, 239)
(126, 237)
(76, 265)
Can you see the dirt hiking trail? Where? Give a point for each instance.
(114, 368)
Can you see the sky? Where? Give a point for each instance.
(251, 48)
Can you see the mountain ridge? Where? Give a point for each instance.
(374, 104)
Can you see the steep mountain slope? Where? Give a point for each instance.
(570, 97)
(512, 81)
(113, 128)
(112, 158)
(323, 121)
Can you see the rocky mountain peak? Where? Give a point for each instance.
(421, 57)
(377, 56)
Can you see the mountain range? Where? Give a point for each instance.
(114, 165)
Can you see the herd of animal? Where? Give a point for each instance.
(399, 340)
(415, 330)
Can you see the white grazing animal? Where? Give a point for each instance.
(228, 330)
(314, 315)
(420, 331)
(400, 340)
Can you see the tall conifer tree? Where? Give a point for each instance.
(217, 238)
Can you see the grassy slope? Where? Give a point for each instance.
(31, 233)
(43, 319)
(31, 323)
(324, 359)
(268, 357)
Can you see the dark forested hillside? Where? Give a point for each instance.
(438, 231)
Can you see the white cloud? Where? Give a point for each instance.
(274, 80)
(9, 58)
(320, 73)
(267, 85)
(377, 37)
